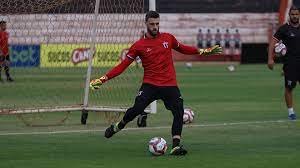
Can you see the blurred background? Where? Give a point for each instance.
(240, 114)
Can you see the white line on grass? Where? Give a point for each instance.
(148, 128)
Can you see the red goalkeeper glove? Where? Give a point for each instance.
(96, 83)
(215, 50)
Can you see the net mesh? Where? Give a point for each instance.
(49, 46)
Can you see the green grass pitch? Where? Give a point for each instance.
(236, 124)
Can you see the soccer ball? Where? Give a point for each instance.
(280, 49)
(157, 146)
(231, 68)
(188, 65)
(188, 116)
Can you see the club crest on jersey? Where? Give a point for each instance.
(292, 35)
(148, 49)
(140, 93)
(165, 44)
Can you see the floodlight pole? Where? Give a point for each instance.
(152, 5)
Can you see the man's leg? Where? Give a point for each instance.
(2, 61)
(174, 102)
(6, 69)
(290, 84)
(145, 96)
(8, 77)
(1, 72)
(142, 119)
(288, 94)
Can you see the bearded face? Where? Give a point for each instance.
(294, 16)
(153, 26)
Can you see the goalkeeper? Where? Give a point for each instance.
(159, 82)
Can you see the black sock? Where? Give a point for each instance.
(176, 142)
(121, 124)
(6, 69)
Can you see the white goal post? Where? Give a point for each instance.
(153, 105)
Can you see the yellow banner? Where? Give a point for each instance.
(76, 55)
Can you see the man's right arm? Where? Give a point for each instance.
(271, 53)
(117, 70)
(279, 35)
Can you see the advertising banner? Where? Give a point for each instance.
(76, 55)
(24, 55)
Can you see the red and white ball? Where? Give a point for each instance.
(188, 116)
(157, 146)
(280, 49)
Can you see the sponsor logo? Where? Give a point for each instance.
(148, 49)
(292, 35)
(56, 57)
(165, 44)
(80, 55)
(24, 55)
(71, 55)
(124, 53)
(140, 93)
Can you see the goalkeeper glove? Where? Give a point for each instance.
(211, 51)
(96, 83)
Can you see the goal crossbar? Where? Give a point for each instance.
(64, 109)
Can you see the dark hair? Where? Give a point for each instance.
(151, 14)
(2, 22)
(293, 8)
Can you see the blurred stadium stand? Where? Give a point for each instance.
(126, 6)
(69, 6)
(216, 6)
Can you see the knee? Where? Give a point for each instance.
(289, 87)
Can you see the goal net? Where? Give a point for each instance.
(50, 42)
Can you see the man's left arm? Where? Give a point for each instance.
(184, 49)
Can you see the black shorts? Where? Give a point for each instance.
(170, 95)
(291, 75)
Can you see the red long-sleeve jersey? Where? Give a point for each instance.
(156, 56)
